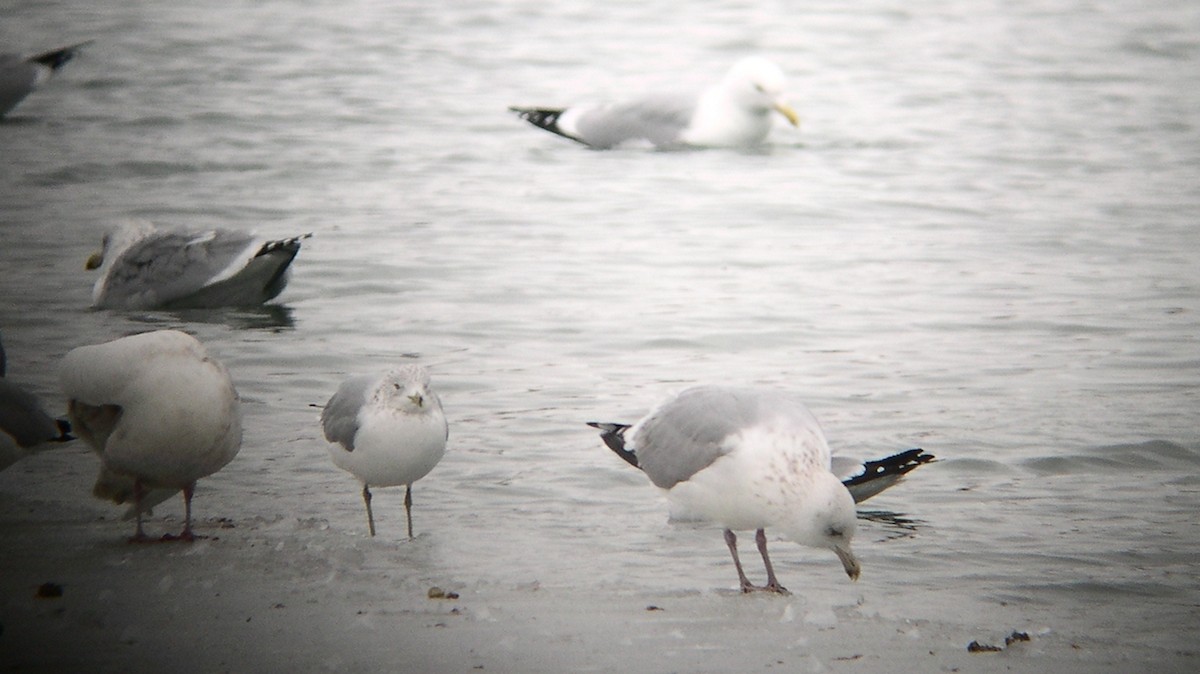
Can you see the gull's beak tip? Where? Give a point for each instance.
(788, 112)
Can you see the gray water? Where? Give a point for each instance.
(981, 241)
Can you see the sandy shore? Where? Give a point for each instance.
(283, 594)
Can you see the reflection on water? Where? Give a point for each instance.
(895, 525)
(269, 317)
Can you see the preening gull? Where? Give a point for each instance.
(386, 430)
(735, 112)
(144, 267)
(20, 75)
(159, 411)
(749, 459)
(25, 427)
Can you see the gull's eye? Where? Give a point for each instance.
(396, 386)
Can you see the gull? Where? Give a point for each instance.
(159, 411)
(386, 430)
(735, 112)
(20, 75)
(25, 427)
(144, 267)
(747, 459)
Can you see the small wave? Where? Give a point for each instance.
(90, 172)
(1099, 591)
(1150, 455)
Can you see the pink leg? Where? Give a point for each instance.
(760, 537)
(408, 508)
(138, 492)
(731, 541)
(186, 534)
(370, 515)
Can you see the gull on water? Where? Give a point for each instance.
(159, 411)
(20, 75)
(387, 431)
(748, 459)
(735, 112)
(144, 267)
(25, 427)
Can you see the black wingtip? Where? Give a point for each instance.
(545, 118)
(64, 431)
(895, 465)
(291, 245)
(613, 436)
(57, 58)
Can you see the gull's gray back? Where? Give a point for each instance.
(168, 265)
(659, 119)
(340, 417)
(688, 433)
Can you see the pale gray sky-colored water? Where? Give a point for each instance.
(982, 240)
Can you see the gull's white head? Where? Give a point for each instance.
(827, 519)
(118, 240)
(759, 84)
(406, 389)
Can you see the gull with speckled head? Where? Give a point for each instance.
(735, 112)
(387, 431)
(748, 459)
(159, 411)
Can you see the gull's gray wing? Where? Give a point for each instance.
(23, 419)
(20, 75)
(689, 432)
(659, 120)
(17, 79)
(179, 269)
(24, 425)
(339, 419)
(169, 265)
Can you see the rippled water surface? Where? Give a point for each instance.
(982, 241)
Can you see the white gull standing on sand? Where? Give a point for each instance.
(144, 267)
(25, 427)
(749, 459)
(159, 411)
(735, 112)
(387, 431)
(20, 75)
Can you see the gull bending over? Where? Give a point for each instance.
(143, 267)
(735, 112)
(749, 459)
(158, 410)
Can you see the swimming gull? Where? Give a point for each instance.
(25, 427)
(144, 267)
(735, 112)
(386, 430)
(159, 411)
(20, 75)
(749, 459)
